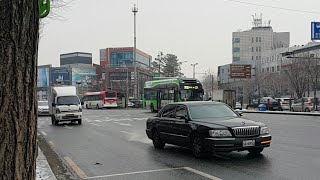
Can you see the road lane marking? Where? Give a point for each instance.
(96, 120)
(126, 132)
(122, 124)
(95, 124)
(76, 168)
(130, 173)
(201, 173)
(43, 133)
(52, 144)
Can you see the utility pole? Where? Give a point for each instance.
(194, 69)
(212, 82)
(135, 10)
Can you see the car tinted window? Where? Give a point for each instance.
(211, 111)
(181, 111)
(168, 111)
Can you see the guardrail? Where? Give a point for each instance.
(316, 113)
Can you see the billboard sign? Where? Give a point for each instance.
(315, 30)
(240, 71)
(60, 74)
(43, 77)
(83, 75)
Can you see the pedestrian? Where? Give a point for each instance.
(269, 105)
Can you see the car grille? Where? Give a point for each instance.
(246, 131)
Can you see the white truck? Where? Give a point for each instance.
(64, 105)
(226, 96)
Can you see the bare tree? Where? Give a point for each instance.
(249, 89)
(297, 75)
(275, 84)
(18, 72)
(209, 83)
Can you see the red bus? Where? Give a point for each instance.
(110, 98)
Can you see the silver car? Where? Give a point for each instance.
(304, 104)
(43, 108)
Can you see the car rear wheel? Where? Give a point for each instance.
(198, 148)
(292, 109)
(307, 110)
(255, 151)
(157, 141)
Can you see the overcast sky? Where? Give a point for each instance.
(196, 31)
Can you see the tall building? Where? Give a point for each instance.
(123, 56)
(75, 58)
(117, 67)
(254, 47)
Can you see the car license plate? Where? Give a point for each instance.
(69, 114)
(248, 143)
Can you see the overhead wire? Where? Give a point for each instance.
(273, 7)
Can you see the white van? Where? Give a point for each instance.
(64, 105)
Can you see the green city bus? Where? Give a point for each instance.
(159, 93)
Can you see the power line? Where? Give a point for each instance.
(274, 7)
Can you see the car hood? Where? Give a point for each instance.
(66, 108)
(227, 122)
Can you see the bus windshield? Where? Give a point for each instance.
(191, 95)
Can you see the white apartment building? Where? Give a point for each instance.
(254, 47)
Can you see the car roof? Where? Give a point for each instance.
(188, 103)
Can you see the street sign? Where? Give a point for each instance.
(156, 75)
(240, 71)
(315, 30)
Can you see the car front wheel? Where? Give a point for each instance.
(255, 150)
(198, 148)
(157, 141)
(80, 121)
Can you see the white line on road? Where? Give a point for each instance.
(122, 124)
(95, 124)
(201, 173)
(126, 132)
(96, 120)
(43, 133)
(138, 172)
(52, 144)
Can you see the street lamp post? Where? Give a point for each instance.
(174, 68)
(135, 10)
(194, 69)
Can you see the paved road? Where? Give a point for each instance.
(111, 144)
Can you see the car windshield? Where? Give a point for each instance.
(43, 103)
(191, 95)
(68, 100)
(206, 111)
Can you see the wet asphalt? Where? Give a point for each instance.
(112, 144)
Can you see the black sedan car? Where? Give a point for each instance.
(206, 127)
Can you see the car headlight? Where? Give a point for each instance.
(264, 130)
(220, 133)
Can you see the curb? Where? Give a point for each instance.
(282, 112)
(43, 169)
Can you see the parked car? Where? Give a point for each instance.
(238, 106)
(43, 108)
(274, 105)
(206, 127)
(284, 103)
(304, 104)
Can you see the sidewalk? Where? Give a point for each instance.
(316, 113)
(43, 169)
